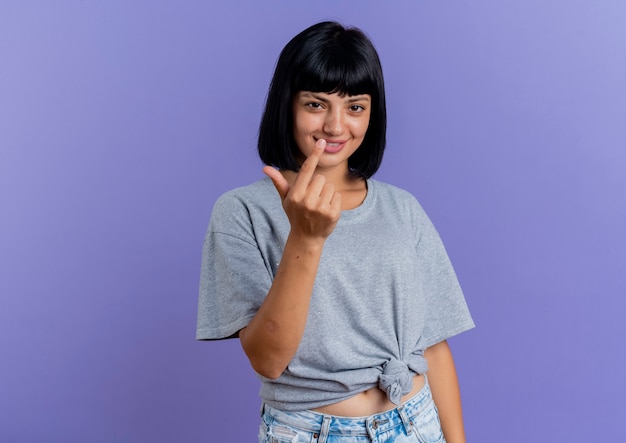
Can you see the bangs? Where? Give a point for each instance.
(336, 69)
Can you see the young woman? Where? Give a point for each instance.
(336, 284)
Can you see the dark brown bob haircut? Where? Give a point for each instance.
(330, 58)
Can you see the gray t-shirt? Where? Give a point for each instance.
(384, 292)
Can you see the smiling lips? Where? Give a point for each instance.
(333, 146)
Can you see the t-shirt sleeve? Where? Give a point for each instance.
(447, 313)
(234, 277)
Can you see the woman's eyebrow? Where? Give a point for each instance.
(358, 98)
(315, 96)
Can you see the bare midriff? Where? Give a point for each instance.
(370, 402)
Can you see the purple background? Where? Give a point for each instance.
(121, 123)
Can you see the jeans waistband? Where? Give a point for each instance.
(325, 424)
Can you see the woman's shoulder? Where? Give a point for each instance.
(391, 190)
(242, 202)
(248, 195)
(389, 194)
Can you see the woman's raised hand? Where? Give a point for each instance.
(311, 203)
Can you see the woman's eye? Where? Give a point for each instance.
(314, 105)
(357, 108)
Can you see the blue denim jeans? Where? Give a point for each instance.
(415, 421)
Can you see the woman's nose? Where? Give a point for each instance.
(333, 124)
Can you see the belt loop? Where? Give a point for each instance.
(371, 425)
(405, 420)
(324, 429)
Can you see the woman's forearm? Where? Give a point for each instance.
(444, 385)
(272, 337)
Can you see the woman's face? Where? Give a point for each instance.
(341, 120)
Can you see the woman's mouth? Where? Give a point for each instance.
(333, 146)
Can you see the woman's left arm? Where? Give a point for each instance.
(445, 389)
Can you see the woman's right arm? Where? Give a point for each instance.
(272, 337)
